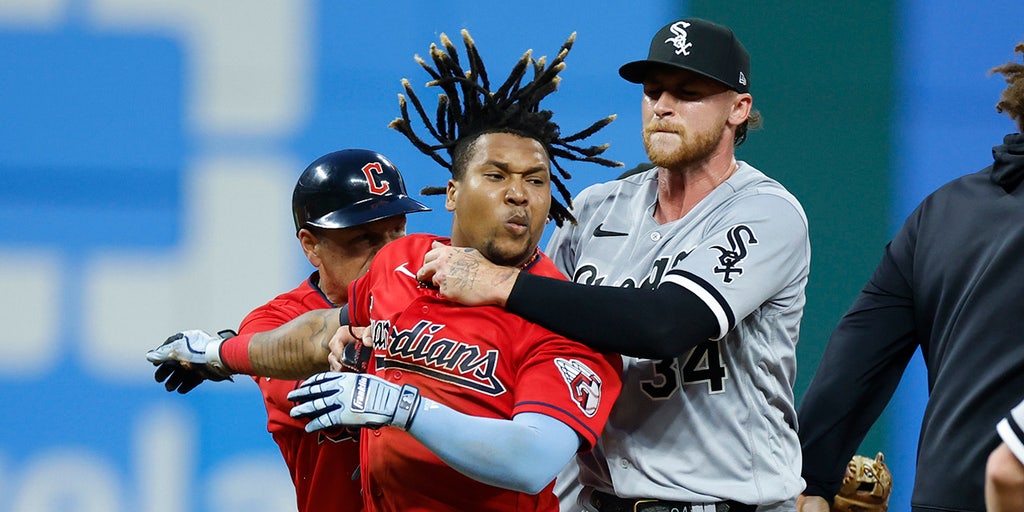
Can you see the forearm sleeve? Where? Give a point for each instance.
(524, 454)
(656, 324)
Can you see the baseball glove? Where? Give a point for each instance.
(866, 486)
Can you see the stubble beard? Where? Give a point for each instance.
(691, 150)
(497, 256)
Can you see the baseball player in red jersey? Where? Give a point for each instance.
(480, 361)
(346, 206)
(471, 408)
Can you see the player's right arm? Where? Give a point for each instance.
(292, 351)
(577, 311)
(694, 302)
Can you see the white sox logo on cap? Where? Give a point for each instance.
(679, 41)
(584, 384)
(699, 46)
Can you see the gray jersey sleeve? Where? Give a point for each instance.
(1011, 430)
(746, 256)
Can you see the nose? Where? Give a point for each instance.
(661, 106)
(515, 193)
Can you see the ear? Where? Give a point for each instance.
(741, 107)
(310, 244)
(450, 193)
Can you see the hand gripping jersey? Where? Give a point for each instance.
(481, 361)
(321, 465)
(717, 422)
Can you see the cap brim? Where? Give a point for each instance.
(636, 71)
(359, 214)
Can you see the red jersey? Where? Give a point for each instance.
(479, 360)
(321, 465)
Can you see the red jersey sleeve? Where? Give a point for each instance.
(565, 379)
(569, 382)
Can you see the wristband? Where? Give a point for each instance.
(212, 352)
(408, 402)
(234, 354)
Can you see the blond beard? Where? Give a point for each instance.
(690, 151)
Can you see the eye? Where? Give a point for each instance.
(370, 239)
(686, 92)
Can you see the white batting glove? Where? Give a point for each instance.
(345, 399)
(188, 358)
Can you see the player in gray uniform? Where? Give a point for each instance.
(717, 420)
(701, 264)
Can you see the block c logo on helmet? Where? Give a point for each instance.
(373, 172)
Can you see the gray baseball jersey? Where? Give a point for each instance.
(717, 422)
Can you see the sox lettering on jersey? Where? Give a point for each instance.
(590, 274)
(448, 360)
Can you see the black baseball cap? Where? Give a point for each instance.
(700, 46)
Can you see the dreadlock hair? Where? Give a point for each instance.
(1012, 99)
(467, 108)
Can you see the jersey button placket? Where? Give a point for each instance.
(655, 236)
(623, 463)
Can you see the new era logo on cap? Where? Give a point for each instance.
(696, 45)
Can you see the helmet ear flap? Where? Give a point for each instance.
(348, 188)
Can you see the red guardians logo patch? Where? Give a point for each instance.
(584, 384)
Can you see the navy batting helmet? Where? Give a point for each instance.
(348, 188)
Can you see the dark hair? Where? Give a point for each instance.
(1012, 99)
(467, 109)
(753, 122)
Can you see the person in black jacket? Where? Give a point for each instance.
(949, 283)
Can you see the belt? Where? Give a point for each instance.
(605, 502)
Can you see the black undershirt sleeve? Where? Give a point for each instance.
(654, 324)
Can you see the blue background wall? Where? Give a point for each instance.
(148, 149)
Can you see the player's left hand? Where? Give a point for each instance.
(354, 400)
(187, 358)
(465, 276)
(351, 349)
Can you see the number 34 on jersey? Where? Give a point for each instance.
(703, 366)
